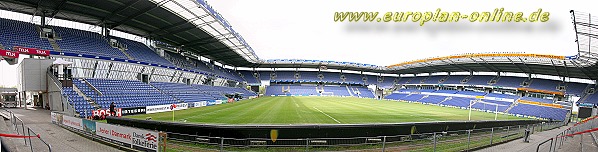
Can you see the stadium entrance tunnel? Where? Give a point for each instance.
(312, 131)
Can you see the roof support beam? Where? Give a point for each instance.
(580, 69)
(484, 65)
(525, 65)
(58, 8)
(138, 13)
(516, 65)
(453, 64)
(166, 32)
(566, 69)
(118, 10)
(555, 69)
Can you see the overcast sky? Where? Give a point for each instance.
(305, 30)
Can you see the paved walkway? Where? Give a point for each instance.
(59, 138)
(569, 145)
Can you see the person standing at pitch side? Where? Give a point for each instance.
(112, 112)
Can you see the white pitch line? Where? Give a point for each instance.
(327, 115)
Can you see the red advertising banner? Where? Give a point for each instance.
(103, 112)
(31, 51)
(10, 54)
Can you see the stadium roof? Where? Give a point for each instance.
(191, 24)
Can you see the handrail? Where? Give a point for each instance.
(14, 123)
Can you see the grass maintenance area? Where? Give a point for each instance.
(319, 110)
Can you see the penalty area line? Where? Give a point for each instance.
(327, 115)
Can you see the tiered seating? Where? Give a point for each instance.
(304, 90)
(592, 98)
(458, 101)
(244, 92)
(506, 96)
(331, 77)
(276, 90)
(128, 93)
(17, 33)
(413, 97)
(404, 80)
(537, 99)
(513, 82)
(141, 52)
(309, 76)
(416, 80)
(353, 78)
(248, 76)
(184, 92)
(387, 83)
(480, 80)
(372, 79)
(226, 73)
(454, 79)
(365, 92)
(503, 106)
(433, 79)
(539, 111)
(434, 99)
(81, 106)
(575, 88)
(337, 90)
(84, 42)
(396, 96)
(427, 90)
(543, 84)
(446, 91)
(471, 93)
(285, 75)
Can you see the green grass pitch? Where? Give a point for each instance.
(319, 110)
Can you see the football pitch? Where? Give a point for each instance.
(319, 110)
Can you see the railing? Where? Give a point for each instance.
(67, 107)
(461, 140)
(589, 125)
(38, 144)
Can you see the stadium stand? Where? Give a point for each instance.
(184, 92)
(371, 79)
(591, 98)
(127, 93)
(396, 96)
(506, 96)
(539, 111)
(141, 52)
(471, 93)
(480, 80)
(544, 84)
(248, 77)
(84, 42)
(363, 92)
(458, 101)
(337, 90)
(433, 99)
(79, 103)
(331, 77)
(576, 88)
(433, 79)
(513, 82)
(454, 79)
(536, 99)
(17, 33)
